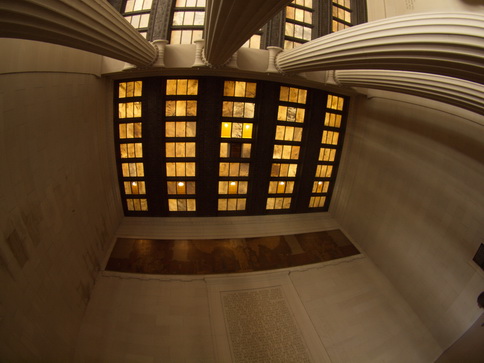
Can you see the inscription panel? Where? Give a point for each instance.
(261, 327)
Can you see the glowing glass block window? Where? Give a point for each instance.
(134, 187)
(180, 129)
(234, 169)
(130, 89)
(332, 120)
(231, 204)
(293, 95)
(188, 21)
(180, 149)
(129, 109)
(131, 130)
(286, 152)
(177, 169)
(288, 133)
(181, 108)
(182, 205)
(236, 130)
(278, 203)
(138, 205)
(341, 15)
(283, 170)
(232, 187)
(238, 109)
(317, 201)
(182, 87)
(137, 13)
(299, 23)
(324, 171)
(130, 149)
(335, 102)
(281, 187)
(290, 114)
(239, 89)
(181, 187)
(330, 137)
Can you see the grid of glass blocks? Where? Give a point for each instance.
(130, 145)
(299, 23)
(180, 143)
(287, 145)
(330, 139)
(137, 13)
(341, 15)
(236, 135)
(187, 22)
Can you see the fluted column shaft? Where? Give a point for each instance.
(229, 23)
(90, 25)
(457, 92)
(450, 44)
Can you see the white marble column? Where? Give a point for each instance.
(90, 25)
(229, 23)
(457, 92)
(450, 44)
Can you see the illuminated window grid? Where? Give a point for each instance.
(180, 144)
(299, 23)
(181, 196)
(137, 13)
(341, 15)
(229, 192)
(287, 146)
(188, 21)
(130, 146)
(232, 204)
(330, 139)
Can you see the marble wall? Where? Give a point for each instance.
(410, 192)
(59, 204)
(340, 311)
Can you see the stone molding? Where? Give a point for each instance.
(457, 92)
(449, 44)
(90, 25)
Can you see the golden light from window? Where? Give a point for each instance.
(327, 154)
(290, 114)
(135, 187)
(281, 187)
(137, 204)
(181, 187)
(278, 203)
(129, 109)
(180, 149)
(183, 87)
(283, 170)
(231, 204)
(181, 205)
(180, 169)
(330, 137)
(180, 129)
(236, 130)
(130, 89)
(292, 94)
(332, 120)
(286, 152)
(132, 150)
(234, 169)
(130, 130)
(324, 171)
(181, 108)
(320, 187)
(132, 169)
(238, 109)
(239, 89)
(335, 102)
(235, 150)
(317, 201)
